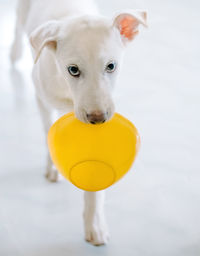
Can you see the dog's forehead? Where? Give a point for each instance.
(90, 23)
(91, 36)
(90, 31)
(91, 40)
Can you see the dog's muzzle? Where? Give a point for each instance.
(97, 117)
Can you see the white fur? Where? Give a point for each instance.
(62, 33)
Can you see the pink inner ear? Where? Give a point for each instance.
(128, 27)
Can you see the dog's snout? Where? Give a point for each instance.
(96, 117)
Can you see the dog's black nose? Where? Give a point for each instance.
(96, 117)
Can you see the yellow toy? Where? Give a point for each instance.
(93, 157)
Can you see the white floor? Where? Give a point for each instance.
(155, 209)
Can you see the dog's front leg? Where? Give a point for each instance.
(46, 115)
(96, 231)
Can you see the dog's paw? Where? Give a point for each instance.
(97, 234)
(51, 174)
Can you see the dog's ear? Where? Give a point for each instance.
(45, 35)
(127, 23)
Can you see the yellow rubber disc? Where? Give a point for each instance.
(93, 157)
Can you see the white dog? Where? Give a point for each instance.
(77, 56)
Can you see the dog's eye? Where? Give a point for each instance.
(74, 70)
(111, 67)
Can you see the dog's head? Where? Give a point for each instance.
(88, 51)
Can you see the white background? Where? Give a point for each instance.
(155, 209)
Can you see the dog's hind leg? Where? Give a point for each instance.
(16, 48)
(17, 45)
